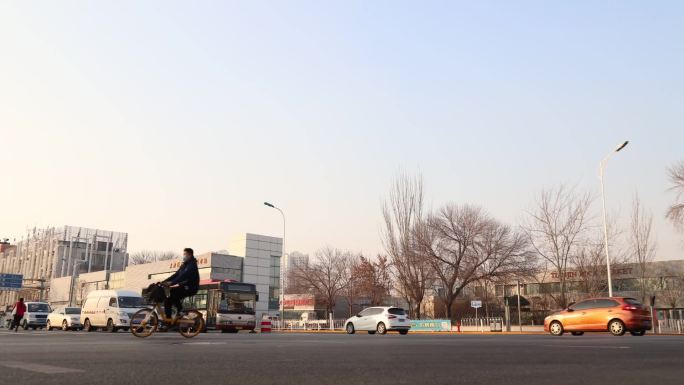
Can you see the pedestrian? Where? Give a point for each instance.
(18, 314)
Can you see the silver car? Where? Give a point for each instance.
(379, 319)
(65, 318)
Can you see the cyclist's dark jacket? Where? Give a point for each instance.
(187, 276)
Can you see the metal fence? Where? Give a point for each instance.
(337, 324)
(483, 322)
(671, 326)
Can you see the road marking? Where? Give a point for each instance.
(39, 368)
(204, 343)
(589, 346)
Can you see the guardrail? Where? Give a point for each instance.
(337, 324)
(671, 326)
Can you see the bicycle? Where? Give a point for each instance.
(146, 321)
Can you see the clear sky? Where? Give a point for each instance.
(174, 121)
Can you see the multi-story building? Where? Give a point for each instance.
(252, 259)
(54, 252)
(291, 260)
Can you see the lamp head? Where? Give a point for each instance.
(269, 204)
(621, 146)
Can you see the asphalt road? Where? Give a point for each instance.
(39, 357)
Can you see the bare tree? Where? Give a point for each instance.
(351, 281)
(675, 212)
(590, 277)
(673, 292)
(464, 245)
(324, 276)
(402, 213)
(642, 244)
(374, 279)
(555, 229)
(147, 256)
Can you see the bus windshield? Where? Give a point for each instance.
(237, 303)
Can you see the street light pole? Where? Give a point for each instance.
(282, 279)
(72, 292)
(602, 166)
(519, 316)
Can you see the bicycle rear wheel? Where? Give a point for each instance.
(190, 324)
(144, 323)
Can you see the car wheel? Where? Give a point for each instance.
(350, 328)
(556, 328)
(371, 332)
(48, 326)
(110, 326)
(381, 329)
(577, 333)
(87, 326)
(403, 332)
(637, 333)
(616, 327)
(65, 325)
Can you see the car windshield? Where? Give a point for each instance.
(38, 308)
(237, 303)
(396, 311)
(72, 310)
(128, 302)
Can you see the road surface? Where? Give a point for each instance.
(40, 357)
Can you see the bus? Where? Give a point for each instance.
(227, 305)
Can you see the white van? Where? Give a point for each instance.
(35, 316)
(110, 309)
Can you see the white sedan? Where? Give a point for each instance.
(380, 319)
(65, 318)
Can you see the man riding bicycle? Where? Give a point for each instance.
(183, 283)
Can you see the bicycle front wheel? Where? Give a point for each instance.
(190, 324)
(144, 323)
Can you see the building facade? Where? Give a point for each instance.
(55, 252)
(254, 259)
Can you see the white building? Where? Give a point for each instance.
(252, 259)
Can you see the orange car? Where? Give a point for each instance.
(616, 315)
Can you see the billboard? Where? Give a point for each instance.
(431, 325)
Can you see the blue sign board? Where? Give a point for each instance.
(11, 281)
(431, 325)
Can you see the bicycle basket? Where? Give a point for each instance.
(155, 294)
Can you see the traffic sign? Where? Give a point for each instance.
(12, 282)
(476, 304)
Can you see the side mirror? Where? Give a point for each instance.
(358, 315)
(571, 309)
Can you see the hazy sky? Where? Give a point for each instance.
(175, 121)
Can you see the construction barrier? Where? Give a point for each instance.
(265, 325)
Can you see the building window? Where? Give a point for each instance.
(274, 283)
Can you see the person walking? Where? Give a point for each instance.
(18, 314)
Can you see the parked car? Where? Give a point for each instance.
(616, 315)
(110, 309)
(35, 316)
(65, 318)
(380, 320)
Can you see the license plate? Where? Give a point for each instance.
(402, 320)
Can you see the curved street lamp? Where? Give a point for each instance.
(281, 300)
(602, 166)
